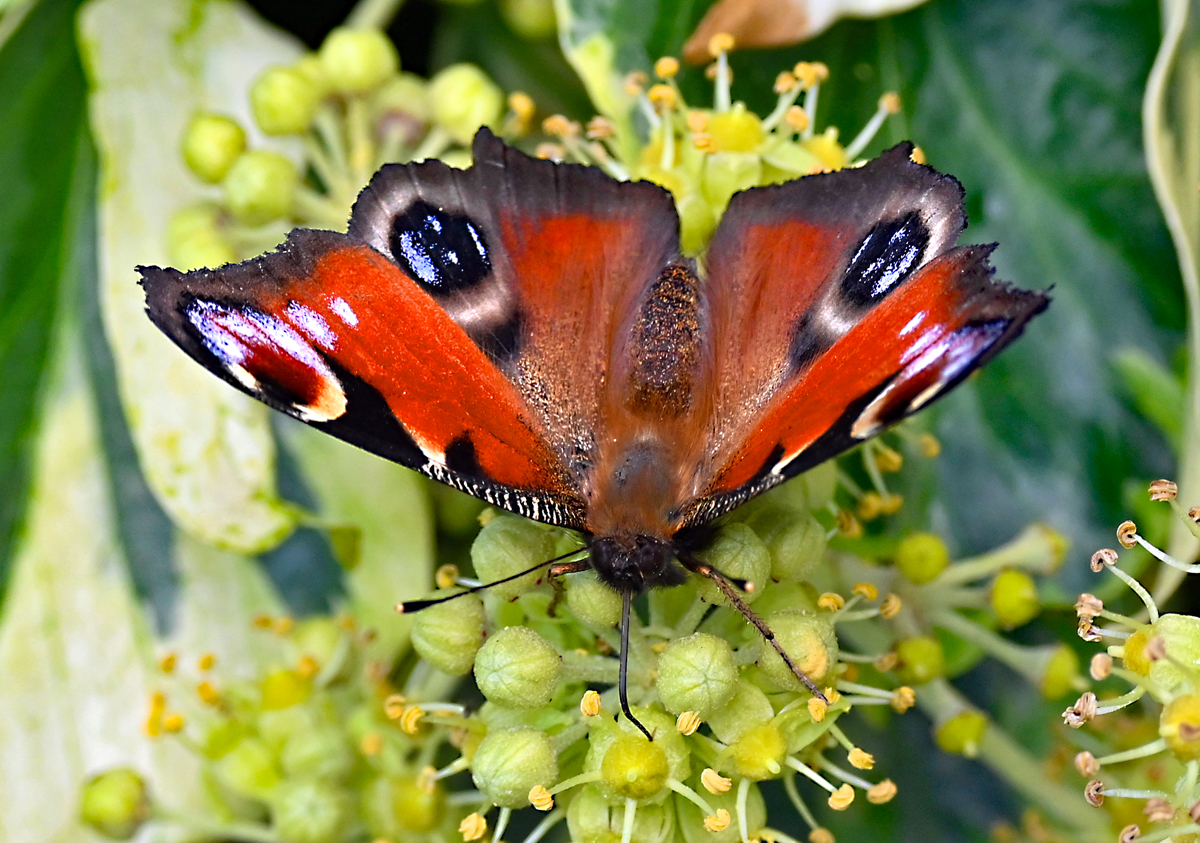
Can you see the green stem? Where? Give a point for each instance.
(373, 14)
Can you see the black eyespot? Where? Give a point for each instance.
(442, 251)
(889, 252)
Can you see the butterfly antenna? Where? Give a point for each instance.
(623, 682)
(725, 585)
(410, 606)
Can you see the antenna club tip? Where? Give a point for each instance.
(400, 608)
(749, 587)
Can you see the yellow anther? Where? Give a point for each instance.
(861, 760)
(796, 117)
(848, 526)
(590, 704)
(810, 73)
(371, 744)
(663, 97)
(832, 694)
(158, 701)
(870, 506)
(541, 798)
(882, 793)
(714, 782)
(831, 602)
(1163, 490)
(722, 42)
(666, 67)
(206, 661)
(929, 444)
(559, 126)
(865, 590)
(522, 106)
(718, 821)
(890, 102)
(697, 121)
(687, 723)
(890, 607)
(154, 724)
(208, 693)
(284, 625)
(167, 663)
(393, 706)
(550, 152)
(1126, 533)
(786, 82)
(704, 142)
(658, 647)
(842, 798)
(410, 719)
(904, 699)
(307, 667)
(817, 708)
(473, 827)
(427, 779)
(172, 723)
(891, 503)
(600, 128)
(635, 83)
(886, 662)
(446, 576)
(263, 621)
(821, 835)
(888, 459)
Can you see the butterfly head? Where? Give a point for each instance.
(633, 563)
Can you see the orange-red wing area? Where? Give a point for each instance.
(945, 322)
(330, 331)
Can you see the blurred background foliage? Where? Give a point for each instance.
(1033, 104)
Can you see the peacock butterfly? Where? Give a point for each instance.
(530, 333)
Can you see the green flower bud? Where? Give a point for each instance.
(284, 688)
(635, 768)
(211, 143)
(356, 60)
(404, 95)
(248, 769)
(592, 601)
(309, 66)
(808, 638)
(284, 100)
(696, 673)
(518, 668)
(1014, 598)
(921, 557)
(747, 708)
(507, 545)
(592, 819)
(448, 635)
(921, 660)
(691, 818)
(605, 733)
(395, 808)
(115, 804)
(509, 763)
(463, 98)
(532, 19)
(697, 222)
(277, 726)
(737, 552)
(759, 753)
(961, 733)
(194, 238)
(1181, 637)
(736, 130)
(730, 172)
(1062, 670)
(310, 812)
(795, 541)
(259, 187)
(322, 753)
(1179, 724)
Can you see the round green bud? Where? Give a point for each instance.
(449, 635)
(532, 19)
(921, 660)
(796, 541)
(922, 556)
(277, 726)
(1061, 673)
(1014, 598)
(393, 806)
(1181, 637)
(808, 638)
(356, 60)
(284, 100)
(259, 187)
(248, 769)
(195, 240)
(697, 222)
(691, 818)
(405, 95)
(635, 768)
(961, 733)
(115, 804)
(811, 491)
(310, 812)
(605, 732)
(592, 819)
(463, 98)
(747, 708)
(728, 173)
(518, 668)
(211, 143)
(507, 545)
(321, 753)
(1179, 725)
(737, 552)
(592, 601)
(283, 688)
(309, 66)
(759, 753)
(509, 763)
(696, 673)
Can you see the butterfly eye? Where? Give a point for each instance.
(889, 252)
(443, 252)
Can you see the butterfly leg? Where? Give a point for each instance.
(555, 574)
(726, 587)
